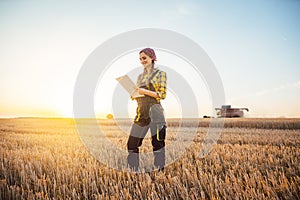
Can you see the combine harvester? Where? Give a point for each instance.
(227, 111)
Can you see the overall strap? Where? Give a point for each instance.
(152, 76)
(151, 87)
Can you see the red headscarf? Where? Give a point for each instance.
(149, 52)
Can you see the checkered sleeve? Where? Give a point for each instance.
(162, 89)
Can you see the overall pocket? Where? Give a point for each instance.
(157, 114)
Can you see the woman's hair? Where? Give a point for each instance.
(149, 52)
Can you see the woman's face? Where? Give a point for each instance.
(145, 59)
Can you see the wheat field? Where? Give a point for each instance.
(253, 159)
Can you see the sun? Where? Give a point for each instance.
(65, 110)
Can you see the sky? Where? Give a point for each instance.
(254, 45)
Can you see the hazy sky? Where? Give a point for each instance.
(254, 45)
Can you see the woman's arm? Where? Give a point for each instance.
(147, 92)
(161, 87)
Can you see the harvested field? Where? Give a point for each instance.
(253, 159)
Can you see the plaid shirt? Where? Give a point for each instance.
(159, 82)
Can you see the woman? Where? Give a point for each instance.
(152, 84)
